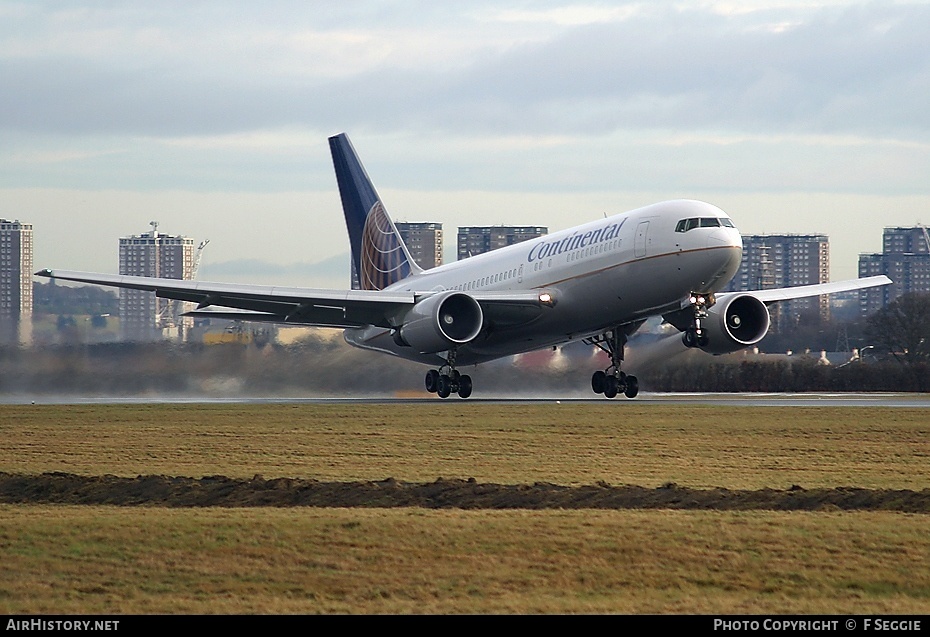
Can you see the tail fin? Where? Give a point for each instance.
(379, 255)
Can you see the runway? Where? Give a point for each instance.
(910, 400)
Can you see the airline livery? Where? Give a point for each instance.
(596, 283)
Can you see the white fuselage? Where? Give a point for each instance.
(602, 274)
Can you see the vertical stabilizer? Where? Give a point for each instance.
(379, 256)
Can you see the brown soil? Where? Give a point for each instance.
(220, 491)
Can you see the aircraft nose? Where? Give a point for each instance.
(724, 237)
(728, 246)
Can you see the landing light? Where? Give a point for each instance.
(546, 299)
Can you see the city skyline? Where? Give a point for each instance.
(808, 118)
(773, 260)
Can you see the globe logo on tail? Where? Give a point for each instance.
(383, 261)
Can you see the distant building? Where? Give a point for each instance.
(474, 240)
(424, 241)
(905, 259)
(142, 316)
(785, 260)
(15, 282)
(905, 241)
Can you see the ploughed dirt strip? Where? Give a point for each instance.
(220, 491)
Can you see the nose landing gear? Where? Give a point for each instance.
(695, 335)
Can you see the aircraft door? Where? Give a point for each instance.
(520, 274)
(639, 245)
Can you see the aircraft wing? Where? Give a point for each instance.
(304, 306)
(786, 294)
(683, 318)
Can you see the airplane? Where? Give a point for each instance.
(596, 283)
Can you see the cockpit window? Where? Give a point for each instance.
(704, 222)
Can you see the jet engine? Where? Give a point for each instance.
(734, 323)
(440, 321)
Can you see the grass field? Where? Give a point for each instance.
(71, 559)
(618, 443)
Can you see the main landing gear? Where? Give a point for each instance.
(612, 381)
(695, 335)
(447, 380)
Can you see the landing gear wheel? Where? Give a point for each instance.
(612, 381)
(632, 387)
(611, 386)
(447, 380)
(432, 381)
(444, 386)
(689, 338)
(464, 386)
(692, 339)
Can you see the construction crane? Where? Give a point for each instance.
(203, 244)
(178, 305)
(173, 308)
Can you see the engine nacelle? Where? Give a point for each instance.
(440, 321)
(734, 323)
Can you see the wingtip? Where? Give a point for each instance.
(45, 272)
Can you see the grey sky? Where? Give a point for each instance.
(212, 118)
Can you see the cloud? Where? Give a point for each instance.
(178, 70)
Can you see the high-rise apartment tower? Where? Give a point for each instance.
(142, 316)
(424, 241)
(15, 282)
(785, 260)
(474, 240)
(905, 259)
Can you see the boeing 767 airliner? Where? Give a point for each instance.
(597, 282)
